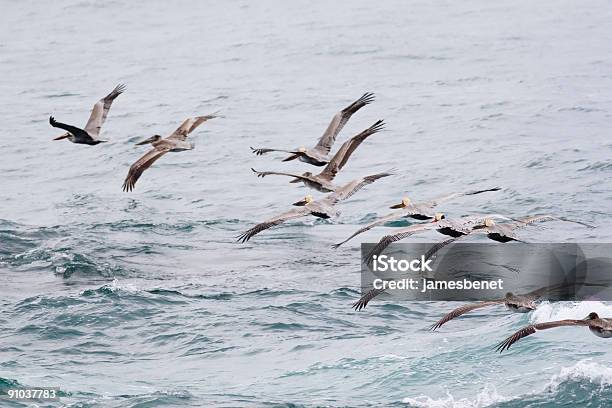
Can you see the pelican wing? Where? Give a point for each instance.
(543, 218)
(389, 239)
(436, 247)
(463, 310)
(528, 330)
(389, 217)
(189, 126)
(263, 150)
(263, 174)
(72, 129)
(100, 111)
(352, 187)
(347, 148)
(338, 121)
(289, 215)
(365, 299)
(141, 165)
(448, 197)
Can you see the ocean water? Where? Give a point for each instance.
(144, 299)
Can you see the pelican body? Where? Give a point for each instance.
(89, 135)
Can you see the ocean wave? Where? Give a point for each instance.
(584, 384)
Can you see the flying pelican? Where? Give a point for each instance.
(89, 135)
(601, 327)
(323, 181)
(318, 155)
(176, 142)
(422, 211)
(452, 228)
(323, 208)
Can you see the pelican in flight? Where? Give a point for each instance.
(323, 181)
(319, 155)
(89, 135)
(452, 228)
(422, 211)
(176, 142)
(601, 327)
(323, 208)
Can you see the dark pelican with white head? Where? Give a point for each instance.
(319, 155)
(176, 142)
(90, 134)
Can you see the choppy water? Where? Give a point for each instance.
(144, 299)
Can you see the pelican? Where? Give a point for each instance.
(601, 327)
(452, 228)
(89, 135)
(318, 155)
(506, 232)
(323, 208)
(514, 303)
(323, 181)
(176, 142)
(423, 211)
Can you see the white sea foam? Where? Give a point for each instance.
(584, 371)
(547, 312)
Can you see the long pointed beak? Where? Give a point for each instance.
(293, 157)
(396, 206)
(144, 142)
(295, 180)
(300, 203)
(64, 136)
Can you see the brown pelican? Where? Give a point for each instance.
(323, 181)
(318, 155)
(506, 232)
(323, 208)
(89, 135)
(423, 211)
(514, 303)
(601, 327)
(452, 228)
(176, 142)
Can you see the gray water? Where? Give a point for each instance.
(144, 299)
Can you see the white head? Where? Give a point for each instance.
(405, 203)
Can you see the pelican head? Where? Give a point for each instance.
(489, 222)
(405, 203)
(592, 316)
(509, 295)
(438, 217)
(152, 139)
(302, 149)
(307, 200)
(63, 136)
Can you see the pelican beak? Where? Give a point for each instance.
(300, 203)
(64, 136)
(144, 142)
(292, 157)
(295, 180)
(396, 206)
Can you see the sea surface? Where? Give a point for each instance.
(144, 299)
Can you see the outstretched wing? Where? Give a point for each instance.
(448, 197)
(78, 132)
(189, 126)
(263, 174)
(100, 111)
(543, 218)
(347, 148)
(289, 215)
(365, 299)
(263, 150)
(438, 246)
(389, 217)
(338, 121)
(141, 165)
(389, 239)
(528, 330)
(352, 187)
(463, 310)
